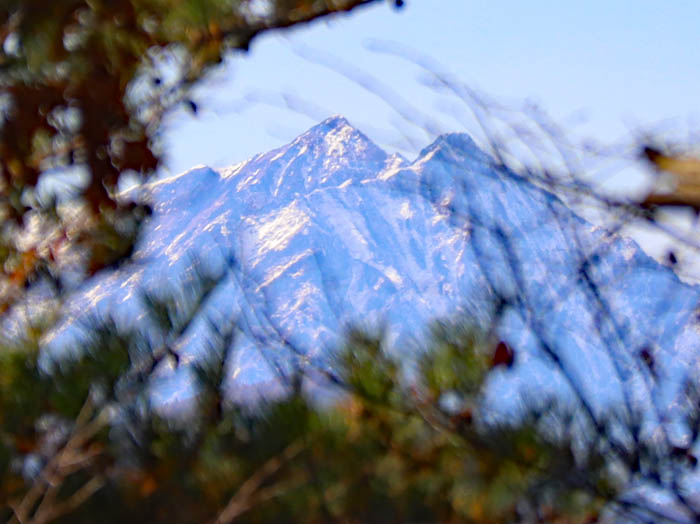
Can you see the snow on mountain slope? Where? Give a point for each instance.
(330, 230)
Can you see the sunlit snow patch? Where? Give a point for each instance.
(278, 229)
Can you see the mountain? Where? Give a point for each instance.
(330, 231)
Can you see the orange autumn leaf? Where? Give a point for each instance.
(25, 268)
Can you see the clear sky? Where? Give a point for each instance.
(601, 68)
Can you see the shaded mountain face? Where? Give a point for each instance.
(331, 231)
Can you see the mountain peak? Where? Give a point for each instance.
(328, 231)
(333, 122)
(337, 128)
(335, 138)
(458, 145)
(458, 141)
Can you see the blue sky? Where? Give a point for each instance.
(603, 69)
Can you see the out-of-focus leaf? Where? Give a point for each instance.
(685, 172)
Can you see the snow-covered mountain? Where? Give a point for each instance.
(330, 230)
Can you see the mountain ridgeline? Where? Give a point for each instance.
(330, 231)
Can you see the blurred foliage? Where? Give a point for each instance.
(84, 88)
(383, 437)
(83, 440)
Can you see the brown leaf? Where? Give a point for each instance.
(686, 174)
(686, 168)
(503, 356)
(463, 418)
